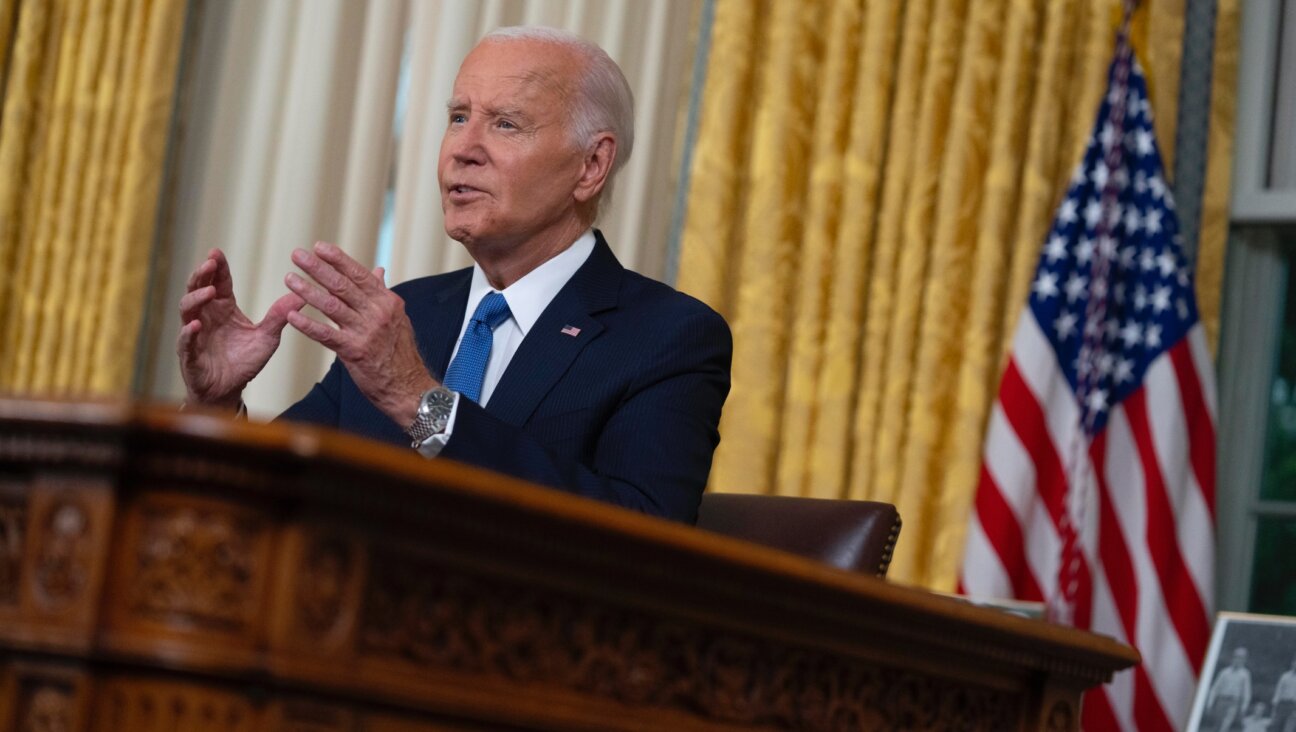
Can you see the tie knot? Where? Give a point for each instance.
(492, 310)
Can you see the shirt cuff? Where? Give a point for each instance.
(432, 446)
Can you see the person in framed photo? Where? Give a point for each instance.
(1284, 701)
(1256, 721)
(1230, 695)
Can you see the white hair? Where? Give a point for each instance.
(604, 102)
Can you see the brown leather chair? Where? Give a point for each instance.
(853, 535)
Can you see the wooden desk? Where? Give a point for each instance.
(167, 571)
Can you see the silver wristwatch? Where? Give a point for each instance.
(433, 415)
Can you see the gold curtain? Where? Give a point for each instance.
(870, 188)
(87, 98)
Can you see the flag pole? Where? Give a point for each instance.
(1089, 392)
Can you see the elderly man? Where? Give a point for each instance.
(545, 360)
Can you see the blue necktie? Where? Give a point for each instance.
(469, 365)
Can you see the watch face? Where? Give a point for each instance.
(433, 414)
(438, 399)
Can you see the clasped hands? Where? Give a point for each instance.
(221, 349)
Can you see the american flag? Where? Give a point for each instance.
(1097, 486)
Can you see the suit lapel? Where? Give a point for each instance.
(440, 317)
(563, 330)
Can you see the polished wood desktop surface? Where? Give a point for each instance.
(181, 571)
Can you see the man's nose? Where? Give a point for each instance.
(465, 143)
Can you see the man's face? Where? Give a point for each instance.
(508, 168)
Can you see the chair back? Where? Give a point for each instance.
(854, 535)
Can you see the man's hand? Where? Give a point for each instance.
(220, 349)
(373, 337)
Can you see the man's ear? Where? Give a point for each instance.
(596, 167)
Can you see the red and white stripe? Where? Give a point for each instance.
(1148, 538)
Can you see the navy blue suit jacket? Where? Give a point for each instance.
(626, 411)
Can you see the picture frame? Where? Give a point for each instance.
(1250, 656)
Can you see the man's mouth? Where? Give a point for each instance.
(460, 193)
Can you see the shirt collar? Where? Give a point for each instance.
(528, 297)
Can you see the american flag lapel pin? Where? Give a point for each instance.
(570, 330)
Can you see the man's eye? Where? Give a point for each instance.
(506, 125)
(458, 118)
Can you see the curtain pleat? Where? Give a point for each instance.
(813, 274)
(854, 259)
(880, 307)
(943, 326)
(23, 131)
(370, 146)
(767, 265)
(1219, 166)
(87, 102)
(872, 272)
(8, 16)
(973, 372)
(717, 188)
(96, 210)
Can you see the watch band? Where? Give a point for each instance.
(433, 415)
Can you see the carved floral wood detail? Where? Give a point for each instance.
(1060, 717)
(63, 560)
(13, 519)
(45, 706)
(322, 580)
(297, 716)
(196, 564)
(234, 587)
(158, 706)
(421, 613)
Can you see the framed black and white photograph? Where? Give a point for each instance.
(1248, 682)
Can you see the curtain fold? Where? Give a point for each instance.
(8, 18)
(1219, 167)
(88, 89)
(810, 280)
(869, 191)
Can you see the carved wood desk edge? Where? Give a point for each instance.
(586, 566)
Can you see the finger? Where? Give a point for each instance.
(192, 303)
(326, 302)
(222, 279)
(201, 275)
(185, 342)
(381, 274)
(322, 334)
(344, 263)
(328, 278)
(277, 316)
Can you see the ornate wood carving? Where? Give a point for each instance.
(151, 705)
(63, 561)
(13, 521)
(197, 565)
(429, 616)
(273, 577)
(1061, 718)
(46, 706)
(59, 450)
(42, 695)
(300, 716)
(326, 571)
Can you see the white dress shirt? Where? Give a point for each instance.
(527, 299)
